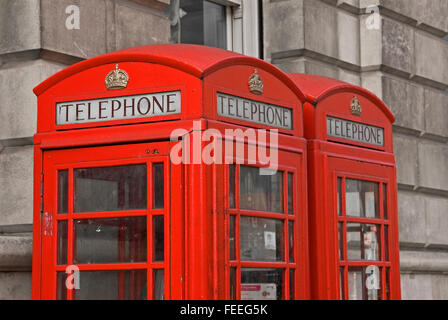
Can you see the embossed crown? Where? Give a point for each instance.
(255, 83)
(116, 79)
(355, 107)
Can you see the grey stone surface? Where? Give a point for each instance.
(15, 253)
(440, 286)
(370, 44)
(405, 100)
(411, 219)
(19, 25)
(406, 153)
(16, 179)
(132, 23)
(433, 168)
(436, 112)
(437, 221)
(18, 111)
(424, 261)
(15, 285)
(397, 45)
(348, 31)
(283, 25)
(416, 287)
(431, 56)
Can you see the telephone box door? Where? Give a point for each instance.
(108, 222)
(364, 226)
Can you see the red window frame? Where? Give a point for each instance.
(384, 263)
(286, 265)
(105, 156)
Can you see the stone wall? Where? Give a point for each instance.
(34, 44)
(405, 62)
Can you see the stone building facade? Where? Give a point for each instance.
(398, 49)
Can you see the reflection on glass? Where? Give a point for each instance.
(63, 191)
(361, 198)
(364, 283)
(232, 237)
(158, 181)
(232, 186)
(384, 201)
(203, 22)
(292, 286)
(111, 285)
(363, 242)
(290, 193)
(61, 288)
(110, 188)
(261, 284)
(291, 240)
(110, 240)
(261, 239)
(158, 238)
(62, 241)
(261, 192)
(339, 196)
(232, 283)
(159, 284)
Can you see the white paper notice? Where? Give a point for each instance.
(258, 291)
(269, 240)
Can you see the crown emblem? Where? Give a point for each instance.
(116, 79)
(255, 83)
(355, 107)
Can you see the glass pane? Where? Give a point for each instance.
(386, 243)
(112, 285)
(232, 283)
(158, 238)
(341, 284)
(364, 283)
(110, 188)
(290, 193)
(292, 284)
(339, 196)
(261, 239)
(361, 198)
(231, 186)
(62, 241)
(203, 22)
(260, 191)
(387, 284)
(158, 181)
(384, 201)
(232, 237)
(261, 284)
(363, 242)
(291, 240)
(159, 284)
(61, 288)
(341, 240)
(110, 240)
(63, 191)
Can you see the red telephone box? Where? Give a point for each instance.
(170, 172)
(354, 251)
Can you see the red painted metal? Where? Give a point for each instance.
(330, 158)
(196, 212)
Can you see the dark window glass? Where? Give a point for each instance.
(339, 196)
(341, 240)
(63, 191)
(158, 181)
(261, 284)
(290, 193)
(261, 239)
(158, 238)
(232, 219)
(232, 283)
(62, 241)
(386, 243)
(61, 288)
(361, 199)
(261, 189)
(291, 240)
(203, 22)
(341, 283)
(231, 186)
(111, 240)
(110, 188)
(292, 284)
(384, 201)
(159, 284)
(112, 285)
